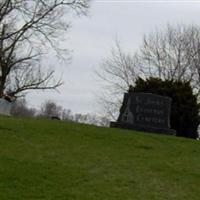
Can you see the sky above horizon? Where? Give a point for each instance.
(92, 37)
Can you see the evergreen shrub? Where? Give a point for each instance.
(184, 108)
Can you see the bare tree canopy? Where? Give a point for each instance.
(171, 54)
(20, 109)
(51, 109)
(27, 29)
(118, 71)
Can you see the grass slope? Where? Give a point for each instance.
(53, 160)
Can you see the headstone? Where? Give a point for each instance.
(145, 112)
(5, 107)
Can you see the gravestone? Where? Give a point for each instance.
(145, 112)
(5, 107)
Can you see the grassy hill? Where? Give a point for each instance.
(54, 160)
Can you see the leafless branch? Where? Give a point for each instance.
(27, 29)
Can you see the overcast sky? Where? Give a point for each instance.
(92, 37)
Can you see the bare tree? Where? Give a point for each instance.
(67, 115)
(117, 72)
(20, 109)
(172, 54)
(27, 29)
(51, 109)
(91, 119)
(119, 69)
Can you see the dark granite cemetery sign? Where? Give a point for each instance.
(145, 112)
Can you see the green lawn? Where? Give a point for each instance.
(54, 160)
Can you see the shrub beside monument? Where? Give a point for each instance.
(184, 115)
(154, 105)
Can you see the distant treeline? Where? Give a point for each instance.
(51, 110)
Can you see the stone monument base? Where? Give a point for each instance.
(165, 131)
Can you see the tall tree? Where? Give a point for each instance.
(20, 109)
(27, 29)
(51, 109)
(117, 72)
(171, 54)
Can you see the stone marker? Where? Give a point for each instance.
(5, 107)
(145, 112)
